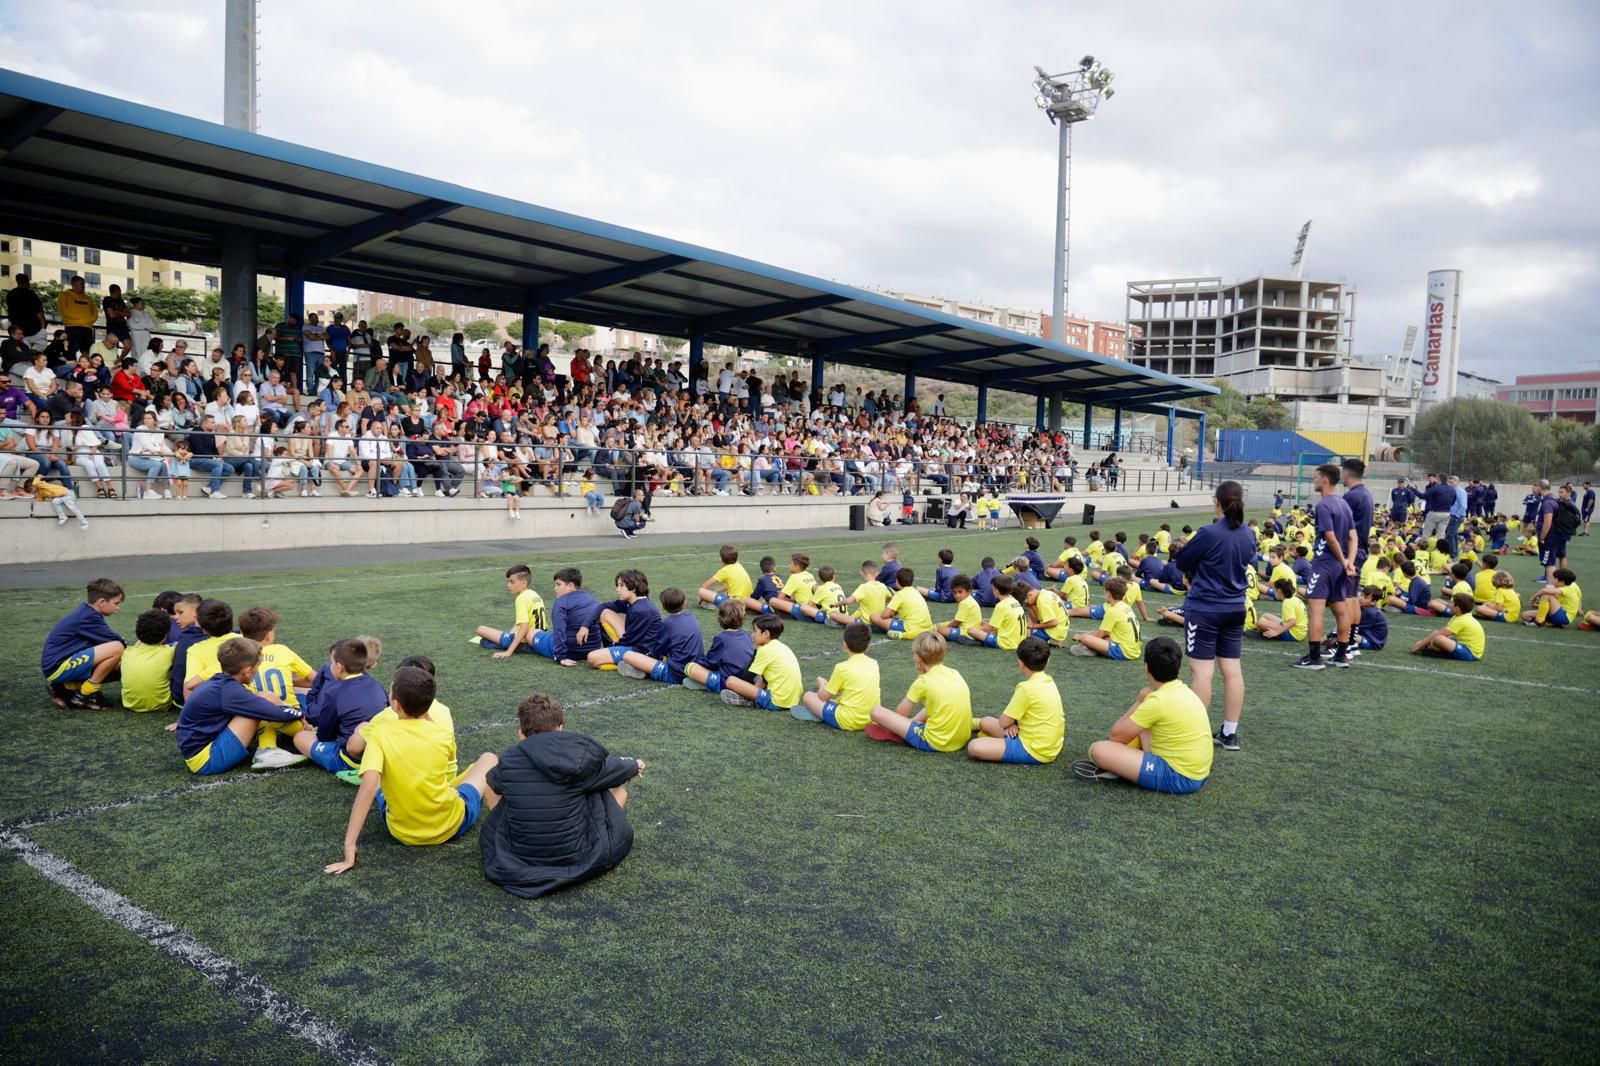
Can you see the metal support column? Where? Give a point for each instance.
(697, 357)
(530, 330)
(1088, 425)
(1200, 450)
(1038, 414)
(294, 295)
(1172, 433)
(1116, 429)
(819, 370)
(240, 249)
(911, 386)
(983, 403)
(1052, 420)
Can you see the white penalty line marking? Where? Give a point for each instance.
(248, 989)
(1365, 663)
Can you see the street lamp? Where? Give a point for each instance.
(1067, 99)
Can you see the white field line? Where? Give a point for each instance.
(1365, 662)
(249, 990)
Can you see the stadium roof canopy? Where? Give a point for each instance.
(112, 174)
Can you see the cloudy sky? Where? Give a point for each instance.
(896, 144)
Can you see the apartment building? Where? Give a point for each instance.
(45, 261)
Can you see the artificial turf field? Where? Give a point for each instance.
(1400, 865)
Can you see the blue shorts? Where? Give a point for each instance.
(505, 641)
(1557, 617)
(763, 702)
(720, 599)
(1464, 653)
(1327, 583)
(1016, 753)
(995, 515)
(1156, 775)
(1208, 636)
(617, 651)
(991, 640)
(329, 754)
(1285, 635)
(1040, 634)
(1552, 551)
(77, 667)
(224, 753)
(664, 672)
(935, 596)
(1367, 645)
(1115, 652)
(829, 712)
(914, 737)
(543, 642)
(469, 796)
(1098, 611)
(897, 625)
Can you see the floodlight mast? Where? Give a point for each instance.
(1067, 99)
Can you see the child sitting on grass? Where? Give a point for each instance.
(844, 700)
(630, 621)
(945, 722)
(1032, 728)
(1293, 623)
(559, 820)
(147, 665)
(730, 654)
(344, 704)
(215, 619)
(766, 587)
(408, 770)
(940, 591)
(906, 615)
(778, 682)
(81, 652)
(221, 716)
(797, 588)
(732, 581)
(869, 598)
(1503, 605)
(281, 671)
(1556, 605)
(1048, 617)
(1118, 635)
(968, 616)
(1374, 623)
(678, 643)
(1444, 607)
(1163, 742)
(530, 617)
(1462, 638)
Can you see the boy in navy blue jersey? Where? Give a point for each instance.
(1035, 560)
(1022, 575)
(185, 636)
(81, 652)
(767, 586)
(629, 622)
(1374, 623)
(730, 655)
(1301, 565)
(1149, 571)
(575, 624)
(940, 592)
(344, 705)
(678, 644)
(891, 565)
(983, 582)
(1418, 592)
(220, 718)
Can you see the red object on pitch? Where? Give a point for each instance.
(878, 732)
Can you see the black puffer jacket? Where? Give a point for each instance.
(556, 823)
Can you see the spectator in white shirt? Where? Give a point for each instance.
(275, 399)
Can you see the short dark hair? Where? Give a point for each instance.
(1464, 602)
(350, 654)
(986, 563)
(672, 600)
(1329, 472)
(570, 575)
(540, 713)
(857, 636)
(1003, 585)
(102, 588)
(215, 618)
(1117, 586)
(961, 581)
(769, 624)
(1163, 658)
(768, 564)
(1032, 543)
(826, 574)
(151, 626)
(1075, 564)
(257, 622)
(165, 600)
(1284, 586)
(413, 689)
(421, 662)
(1564, 575)
(520, 570)
(1460, 570)
(1355, 466)
(802, 558)
(1034, 654)
(728, 553)
(905, 576)
(634, 581)
(237, 654)
(946, 556)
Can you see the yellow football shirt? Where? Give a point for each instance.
(1281, 572)
(1508, 601)
(277, 673)
(1123, 630)
(1095, 550)
(1075, 590)
(1041, 723)
(1134, 595)
(736, 579)
(202, 658)
(147, 677)
(1163, 539)
(968, 614)
(531, 611)
(438, 712)
(871, 598)
(1571, 599)
(1010, 623)
(417, 758)
(944, 696)
(827, 595)
(1469, 631)
(1180, 731)
(1069, 554)
(798, 588)
(912, 610)
(776, 663)
(1052, 615)
(1483, 586)
(1295, 617)
(855, 686)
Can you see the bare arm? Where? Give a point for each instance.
(371, 781)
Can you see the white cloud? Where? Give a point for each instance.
(1489, 177)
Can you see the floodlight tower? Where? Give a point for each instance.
(1067, 99)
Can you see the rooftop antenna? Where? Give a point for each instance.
(1297, 264)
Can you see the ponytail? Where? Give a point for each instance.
(1230, 497)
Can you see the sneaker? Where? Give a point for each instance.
(1079, 649)
(315, 492)
(828, 621)
(83, 523)
(275, 759)
(1091, 771)
(474, 640)
(61, 520)
(628, 533)
(166, 494)
(800, 714)
(733, 699)
(629, 670)
(708, 605)
(875, 731)
(1308, 662)
(1226, 743)
(150, 494)
(60, 697)
(692, 685)
(1340, 660)
(349, 777)
(79, 702)
(218, 495)
(205, 490)
(302, 494)
(372, 494)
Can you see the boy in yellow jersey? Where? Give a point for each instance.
(531, 617)
(1439, 557)
(945, 722)
(282, 673)
(1457, 583)
(1556, 605)
(983, 508)
(826, 596)
(1462, 638)
(1059, 569)
(1075, 590)
(437, 712)
(1503, 605)
(778, 684)
(1277, 570)
(1294, 621)
(1379, 571)
(1033, 727)
(1163, 743)
(407, 770)
(147, 665)
(1118, 635)
(906, 615)
(845, 698)
(1047, 616)
(1008, 619)
(1163, 538)
(215, 619)
(1094, 551)
(870, 598)
(968, 614)
(1135, 597)
(797, 588)
(732, 581)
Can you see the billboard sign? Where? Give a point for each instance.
(1441, 339)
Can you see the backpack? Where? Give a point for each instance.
(620, 508)
(1566, 519)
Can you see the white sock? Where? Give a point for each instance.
(1229, 728)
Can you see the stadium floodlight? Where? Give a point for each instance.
(1067, 99)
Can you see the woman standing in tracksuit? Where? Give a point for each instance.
(1217, 565)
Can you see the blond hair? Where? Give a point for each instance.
(929, 647)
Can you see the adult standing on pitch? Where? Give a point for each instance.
(1558, 521)
(1401, 497)
(1359, 499)
(1588, 508)
(1458, 512)
(1437, 499)
(1333, 571)
(1216, 564)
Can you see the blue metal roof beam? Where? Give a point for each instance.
(533, 242)
(337, 243)
(153, 194)
(969, 355)
(1143, 396)
(1021, 373)
(747, 316)
(556, 291)
(22, 124)
(858, 341)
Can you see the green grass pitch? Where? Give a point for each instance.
(1400, 865)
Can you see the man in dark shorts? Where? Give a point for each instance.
(1588, 507)
(1333, 572)
(1359, 499)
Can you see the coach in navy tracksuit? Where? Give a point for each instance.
(1216, 563)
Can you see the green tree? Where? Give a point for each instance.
(670, 345)
(349, 313)
(1229, 409)
(573, 332)
(1268, 413)
(481, 329)
(383, 322)
(439, 326)
(169, 304)
(269, 310)
(1482, 438)
(514, 329)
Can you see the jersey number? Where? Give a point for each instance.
(272, 680)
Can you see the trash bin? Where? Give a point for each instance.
(1088, 514)
(858, 516)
